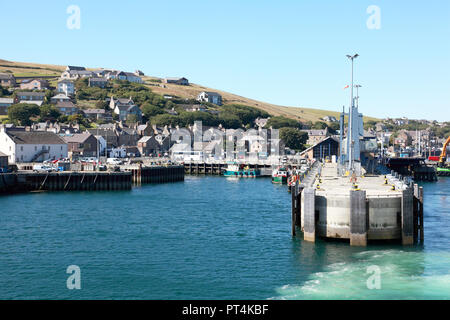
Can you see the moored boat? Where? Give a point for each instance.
(443, 172)
(280, 175)
(236, 170)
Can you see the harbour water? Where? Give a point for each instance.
(204, 238)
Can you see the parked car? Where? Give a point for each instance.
(114, 161)
(43, 168)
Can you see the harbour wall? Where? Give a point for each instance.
(88, 180)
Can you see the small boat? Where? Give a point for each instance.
(443, 172)
(236, 170)
(280, 175)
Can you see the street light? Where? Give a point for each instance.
(350, 120)
(357, 86)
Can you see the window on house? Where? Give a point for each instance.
(21, 148)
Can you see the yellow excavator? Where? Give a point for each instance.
(443, 169)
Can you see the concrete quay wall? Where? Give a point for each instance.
(333, 217)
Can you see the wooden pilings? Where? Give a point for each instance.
(296, 194)
(216, 169)
(418, 214)
(407, 221)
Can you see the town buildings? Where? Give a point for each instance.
(67, 108)
(179, 81)
(31, 146)
(211, 97)
(5, 103)
(124, 108)
(30, 97)
(82, 145)
(34, 84)
(7, 80)
(67, 87)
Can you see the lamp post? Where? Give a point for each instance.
(350, 120)
(357, 86)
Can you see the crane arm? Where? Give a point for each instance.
(444, 151)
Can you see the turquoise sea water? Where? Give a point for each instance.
(205, 238)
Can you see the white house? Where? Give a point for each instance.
(60, 97)
(211, 97)
(67, 87)
(102, 144)
(31, 146)
(121, 75)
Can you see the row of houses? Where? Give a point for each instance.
(101, 76)
(48, 141)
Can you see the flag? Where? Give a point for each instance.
(347, 86)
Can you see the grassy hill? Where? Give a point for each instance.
(25, 69)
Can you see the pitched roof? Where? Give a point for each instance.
(210, 93)
(77, 138)
(94, 111)
(35, 137)
(145, 139)
(38, 103)
(75, 68)
(31, 94)
(65, 81)
(6, 100)
(175, 78)
(98, 79)
(38, 80)
(315, 132)
(65, 104)
(61, 96)
(6, 76)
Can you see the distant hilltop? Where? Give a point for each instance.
(170, 87)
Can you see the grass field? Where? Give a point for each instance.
(23, 69)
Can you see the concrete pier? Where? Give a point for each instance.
(375, 208)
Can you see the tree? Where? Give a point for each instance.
(150, 110)
(294, 138)
(246, 114)
(78, 118)
(102, 104)
(165, 120)
(132, 118)
(3, 91)
(282, 122)
(49, 113)
(334, 126)
(319, 125)
(229, 121)
(22, 113)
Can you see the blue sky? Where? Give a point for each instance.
(284, 52)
